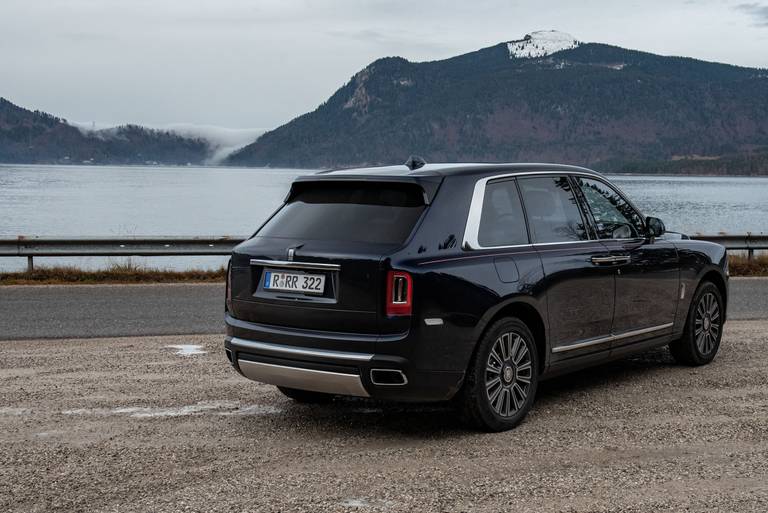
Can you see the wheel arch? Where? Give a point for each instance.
(714, 276)
(527, 313)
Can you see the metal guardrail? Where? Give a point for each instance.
(748, 242)
(32, 247)
(220, 245)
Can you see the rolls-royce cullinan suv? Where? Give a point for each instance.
(463, 282)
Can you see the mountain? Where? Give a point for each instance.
(38, 137)
(546, 97)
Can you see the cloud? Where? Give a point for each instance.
(758, 11)
(223, 141)
(390, 39)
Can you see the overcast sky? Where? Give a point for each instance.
(259, 63)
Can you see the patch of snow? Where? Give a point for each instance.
(254, 409)
(6, 410)
(188, 349)
(212, 407)
(179, 411)
(540, 44)
(356, 503)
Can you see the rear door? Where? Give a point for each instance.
(647, 270)
(580, 292)
(317, 263)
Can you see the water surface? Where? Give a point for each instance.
(115, 201)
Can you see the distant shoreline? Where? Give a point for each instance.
(316, 170)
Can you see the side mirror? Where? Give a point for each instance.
(656, 226)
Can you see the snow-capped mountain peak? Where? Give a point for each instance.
(540, 44)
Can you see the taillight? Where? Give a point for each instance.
(399, 293)
(228, 304)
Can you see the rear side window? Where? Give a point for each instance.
(553, 214)
(502, 222)
(374, 212)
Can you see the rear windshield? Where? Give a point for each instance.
(383, 213)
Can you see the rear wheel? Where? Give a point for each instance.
(305, 396)
(703, 328)
(502, 378)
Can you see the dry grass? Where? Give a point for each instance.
(132, 273)
(741, 266)
(115, 273)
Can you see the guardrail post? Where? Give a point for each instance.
(30, 264)
(750, 254)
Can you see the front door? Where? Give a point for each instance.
(647, 269)
(579, 290)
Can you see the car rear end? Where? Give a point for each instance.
(313, 300)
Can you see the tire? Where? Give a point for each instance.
(703, 328)
(499, 399)
(306, 396)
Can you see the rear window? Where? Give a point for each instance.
(382, 213)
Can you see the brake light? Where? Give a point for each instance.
(399, 298)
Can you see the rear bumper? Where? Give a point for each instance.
(284, 357)
(303, 379)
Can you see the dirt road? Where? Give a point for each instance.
(129, 425)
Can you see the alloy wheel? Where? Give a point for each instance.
(508, 374)
(707, 323)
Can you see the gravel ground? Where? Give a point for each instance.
(127, 424)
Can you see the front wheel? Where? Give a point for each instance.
(502, 378)
(703, 328)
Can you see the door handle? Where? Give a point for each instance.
(611, 260)
(606, 260)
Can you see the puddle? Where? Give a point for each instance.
(187, 349)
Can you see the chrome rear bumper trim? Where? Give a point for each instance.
(296, 265)
(304, 379)
(300, 351)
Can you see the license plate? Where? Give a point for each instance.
(294, 282)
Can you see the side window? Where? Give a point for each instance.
(502, 222)
(614, 217)
(553, 214)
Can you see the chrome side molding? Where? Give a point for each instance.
(611, 338)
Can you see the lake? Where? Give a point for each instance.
(115, 201)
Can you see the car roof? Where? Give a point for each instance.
(453, 169)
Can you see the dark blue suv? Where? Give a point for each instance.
(463, 282)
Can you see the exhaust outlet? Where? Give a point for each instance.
(388, 377)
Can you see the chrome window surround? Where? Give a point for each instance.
(472, 227)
